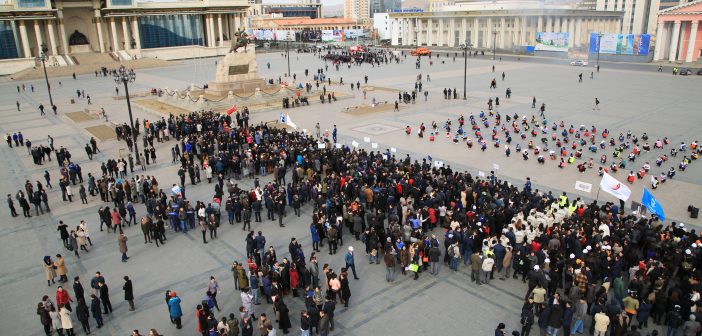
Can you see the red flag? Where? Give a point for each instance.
(231, 110)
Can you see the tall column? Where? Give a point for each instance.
(37, 33)
(208, 36)
(474, 32)
(26, 51)
(452, 33)
(430, 27)
(674, 42)
(683, 28)
(414, 32)
(571, 32)
(516, 31)
(64, 41)
(221, 32)
(440, 38)
(464, 31)
(691, 42)
(659, 42)
(578, 32)
(540, 24)
(549, 24)
(523, 32)
(417, 32)
(125, 34)
(488, 33)
(101, 39)
(52, 37)
(212, 30)
(208, 33)
(502, 32)
(135, 32)
(113, 31)
(394, 32)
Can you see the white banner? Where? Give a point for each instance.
(615, 188)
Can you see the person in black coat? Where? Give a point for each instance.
(78, 289)
(284, 318)
(44, 318)
(95, 309)
(555, 318)
(313, 313)
(128, 292)
(83, 315)
(105, 297)
(527, 317)
(247, 326)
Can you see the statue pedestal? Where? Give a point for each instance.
(236, 72)
(82, 48)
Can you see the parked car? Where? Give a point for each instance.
(579, 63)
(686, 72)
(699, 72)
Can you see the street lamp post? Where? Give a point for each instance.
(287, 52)
(466, 48)
(599, 38)
(494, 44)
(125, 76)
(43, 57)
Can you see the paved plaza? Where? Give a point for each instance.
(637, 99)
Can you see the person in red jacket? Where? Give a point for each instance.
(294, 279)
(63, 299)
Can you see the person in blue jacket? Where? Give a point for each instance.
(175, 310)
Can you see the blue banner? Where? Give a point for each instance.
(652, 204)
(621, 44)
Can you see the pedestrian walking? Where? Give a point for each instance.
(128, 292)
(350, 263)
(122, 242)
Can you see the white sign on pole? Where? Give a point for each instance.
(495, 166)
(354, 143)
(304, 130)
(438, 164)
(321, 146)
(393, 149)
(338, 146)
(374, 145)
(366, 139)
(583, 186)
(481, 173)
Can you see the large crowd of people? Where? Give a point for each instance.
(584, 264)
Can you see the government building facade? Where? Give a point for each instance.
(126, 28)
(504, 24)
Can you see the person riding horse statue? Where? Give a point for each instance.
(241, 39)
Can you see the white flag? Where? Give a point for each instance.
(615, 188)
(289, 122)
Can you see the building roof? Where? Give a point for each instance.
(693, 7)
